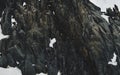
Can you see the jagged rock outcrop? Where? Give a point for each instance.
(85, 40)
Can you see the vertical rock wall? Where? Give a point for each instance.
(85, 42)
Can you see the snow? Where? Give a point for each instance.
(10, 71)
(2, 36)
(59, 73)
(103, 4)
(13, 21)
(105, 17)
(41, 74)
(113, 60)
(17, 62)
(47, 74)
(24, 3)
(52, 42)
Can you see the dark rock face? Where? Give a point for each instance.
(85, 41)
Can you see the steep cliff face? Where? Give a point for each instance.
(85, 42)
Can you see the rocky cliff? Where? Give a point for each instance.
(85, 42)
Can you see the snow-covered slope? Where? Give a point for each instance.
(103, 4)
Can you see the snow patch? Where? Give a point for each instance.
(59, 73)
(41, 74)
(2, 36)
(17, 62)
(14, 22)
(113, 60)
(52, 42)
(24, 3)
(105, 17)
(10, 71)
